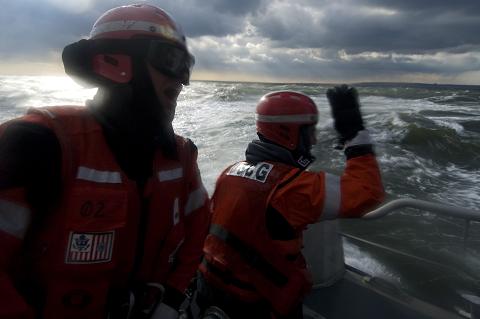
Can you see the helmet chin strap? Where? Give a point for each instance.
(302, 153)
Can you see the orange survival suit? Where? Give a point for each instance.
(104, 234)
(242, 257)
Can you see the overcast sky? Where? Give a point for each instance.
(264, 40)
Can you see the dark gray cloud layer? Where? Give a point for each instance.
(34, 28)
(37, 26)
(310, 39)
(374, 25)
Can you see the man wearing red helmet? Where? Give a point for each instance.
(102, 208)
(253, 266)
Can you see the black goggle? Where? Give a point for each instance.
(167, 57)
(170, 59)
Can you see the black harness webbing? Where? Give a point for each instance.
(251, 257)
(227, 277)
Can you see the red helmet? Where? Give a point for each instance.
(280, 115)
(170, 55)
(126, 22)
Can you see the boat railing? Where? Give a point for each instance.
(442, 209)
(468, 215)
(327, 231)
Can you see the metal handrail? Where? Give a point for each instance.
(442, 209)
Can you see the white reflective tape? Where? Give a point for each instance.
(164, 31)
(362, 138)
(93, 175)
(14, 219)
(195, 200)
(331, 206)
(171, 174)
(299, 118)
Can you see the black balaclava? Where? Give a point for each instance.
(134, 122)
(266, 150)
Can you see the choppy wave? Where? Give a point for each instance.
(440, 94)
(444, 145)
(421, 130)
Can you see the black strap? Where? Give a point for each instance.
(291, 178)
(252, 257)
(278, 227)
(227, 277)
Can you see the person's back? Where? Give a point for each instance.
(253, 266)
(102, 208)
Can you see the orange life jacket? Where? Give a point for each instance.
(240, 255)
(87, 245)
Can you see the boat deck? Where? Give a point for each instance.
(359, 296)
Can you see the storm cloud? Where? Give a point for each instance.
(305, 40)
(358, 26)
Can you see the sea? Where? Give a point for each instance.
(427, 140)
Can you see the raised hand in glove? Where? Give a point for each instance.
(345, 111)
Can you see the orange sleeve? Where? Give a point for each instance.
(12, 304)
(312, 197)
(361, 186)
(15, 217)
(14, 221)
(301, 200)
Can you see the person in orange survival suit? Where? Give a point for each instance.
(102, 209)
(253, 266)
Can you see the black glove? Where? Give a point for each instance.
(345, 111)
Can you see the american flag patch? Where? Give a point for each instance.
(90, 248)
